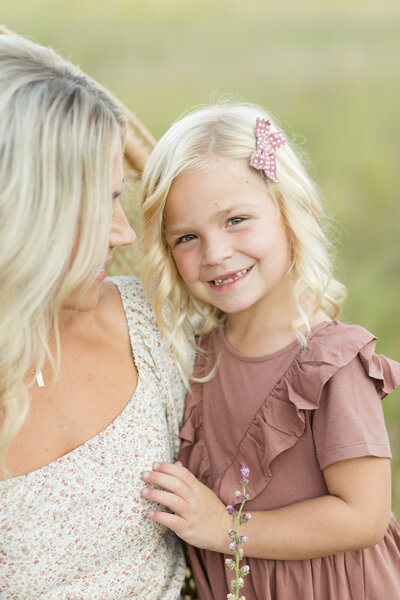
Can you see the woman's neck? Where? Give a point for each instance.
(73, 320)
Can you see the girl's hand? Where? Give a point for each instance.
(199, 517)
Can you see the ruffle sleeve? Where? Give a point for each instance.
(281, 419)
(193, 453)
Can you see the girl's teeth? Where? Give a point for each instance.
(237, 275)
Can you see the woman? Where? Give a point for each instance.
(89, 397)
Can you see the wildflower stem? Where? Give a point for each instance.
(238, 540)
(237, 556)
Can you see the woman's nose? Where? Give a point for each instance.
(121, 233)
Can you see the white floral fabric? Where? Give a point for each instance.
(77, 528)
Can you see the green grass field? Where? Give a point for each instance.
(328, 71)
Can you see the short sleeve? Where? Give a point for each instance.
(176, 393)
(349, 422)
(148, 342)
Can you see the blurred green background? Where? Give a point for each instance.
(329, 71)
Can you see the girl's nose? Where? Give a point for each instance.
(216, 251)
(121, 233)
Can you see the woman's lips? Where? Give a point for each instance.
(101, 273)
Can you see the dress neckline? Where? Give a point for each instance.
(118, 419)
(295, 344)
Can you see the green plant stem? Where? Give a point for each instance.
(237, 559)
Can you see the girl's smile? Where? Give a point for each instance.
(225, 282)
(227, 237)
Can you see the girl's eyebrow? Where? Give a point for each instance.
(240, 207)
(177, 232)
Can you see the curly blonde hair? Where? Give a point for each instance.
(58, 134)
(192, 143)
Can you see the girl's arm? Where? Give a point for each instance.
(354, 515)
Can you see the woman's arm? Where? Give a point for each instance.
(355, 515)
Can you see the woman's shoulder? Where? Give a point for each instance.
(129, 287)
(134, 302)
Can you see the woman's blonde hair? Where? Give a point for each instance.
(58, 136)
(192, 143)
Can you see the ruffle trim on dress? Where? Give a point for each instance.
(193, 442)
(280, 420)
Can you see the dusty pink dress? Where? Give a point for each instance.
(287, 416)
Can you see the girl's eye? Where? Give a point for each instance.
(185, 238)
(235, 220)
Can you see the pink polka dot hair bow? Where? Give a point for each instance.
(263, 158)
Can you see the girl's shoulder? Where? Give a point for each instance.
(338, 373)
(338, 369)
(301, 373)
(335, 346)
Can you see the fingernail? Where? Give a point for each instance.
(156, 465)
(145, 491)
(151, 513)
(146, 474)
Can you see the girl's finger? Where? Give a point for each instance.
(171, 501)
(176, 470)
(171, 521)
(168, 482)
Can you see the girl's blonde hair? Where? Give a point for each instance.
(58, 135)
(192, 143)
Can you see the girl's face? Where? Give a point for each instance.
(227, 238)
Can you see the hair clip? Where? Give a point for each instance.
(263, 158)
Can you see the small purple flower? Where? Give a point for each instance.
(234, 547)
(232, 534)
(242, 539)
(237, 583)
(230, 564)
(239, 496)
(245, 472)
(231, 510)
(245, 517)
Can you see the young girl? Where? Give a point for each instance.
(233, 234)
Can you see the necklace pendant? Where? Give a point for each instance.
(39, 379)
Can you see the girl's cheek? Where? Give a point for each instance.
(187, 263)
